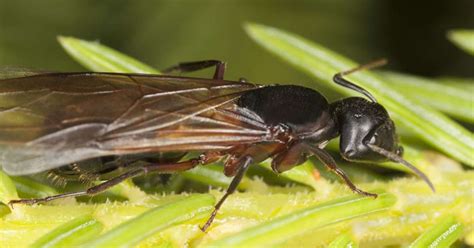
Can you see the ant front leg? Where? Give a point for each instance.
(329, 162)
(199, 65)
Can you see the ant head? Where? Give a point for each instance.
(363, 125)
(367, 132)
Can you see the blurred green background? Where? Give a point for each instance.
(411, 34)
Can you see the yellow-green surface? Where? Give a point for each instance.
(415, 210)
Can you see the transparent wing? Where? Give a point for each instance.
(49, 120)
(16, 72)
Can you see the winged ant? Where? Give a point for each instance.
(52, 121)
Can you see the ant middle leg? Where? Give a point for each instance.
(244, 164)
(199, 65)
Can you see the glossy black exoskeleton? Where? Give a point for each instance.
(62, 120)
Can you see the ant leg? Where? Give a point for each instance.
(90, 191)
(291, 156)
(162, 168)
(339, 78)
(329, 162)
(244, 165)
(199, 65)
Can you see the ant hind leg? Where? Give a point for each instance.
(161, 168)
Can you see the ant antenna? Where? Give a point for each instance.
(339, 77)
(394, 157)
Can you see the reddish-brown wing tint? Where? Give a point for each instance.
(49, 120)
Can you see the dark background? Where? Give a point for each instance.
(411, 34)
